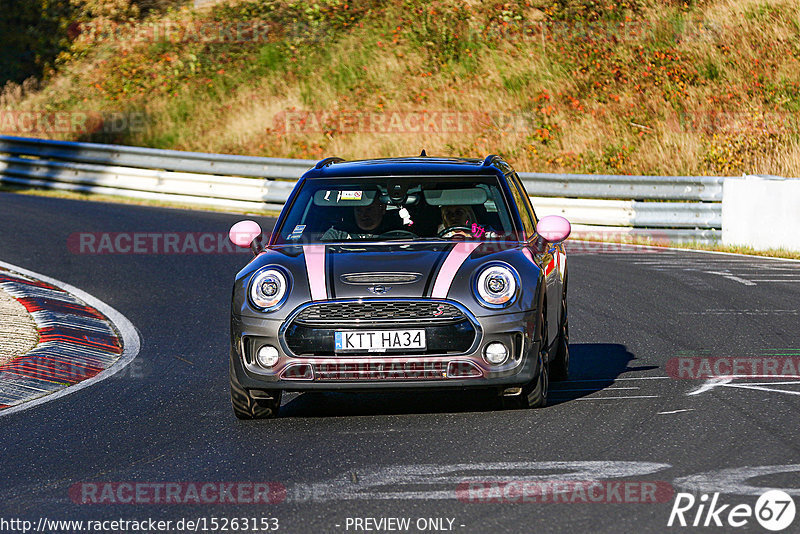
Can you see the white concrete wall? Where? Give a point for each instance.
(761, 212)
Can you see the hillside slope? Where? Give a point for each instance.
(598, 86)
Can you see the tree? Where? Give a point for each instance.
(32, 33)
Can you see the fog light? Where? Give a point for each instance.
(267, 356)
(495, 353)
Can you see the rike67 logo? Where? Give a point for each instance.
(774, 510)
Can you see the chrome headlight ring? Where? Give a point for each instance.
(269, 288)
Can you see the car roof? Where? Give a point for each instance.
(420, 165)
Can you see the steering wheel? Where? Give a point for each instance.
(398, 234)
(454, 229)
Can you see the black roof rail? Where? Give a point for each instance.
(490, 159)
(327, 161)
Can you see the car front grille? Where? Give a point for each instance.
(448, 329)
(389, 311)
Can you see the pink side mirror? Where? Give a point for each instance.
(245, 234)
(553, 228)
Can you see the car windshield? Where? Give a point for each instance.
(398, 208)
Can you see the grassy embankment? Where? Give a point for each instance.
(627, 87)
(632, 86)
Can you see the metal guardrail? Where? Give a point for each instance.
(240, 182)
(679, 208)
(151, 158)
(691, 188)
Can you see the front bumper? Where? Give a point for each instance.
(328, 371)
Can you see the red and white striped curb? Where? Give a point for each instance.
(78, 343)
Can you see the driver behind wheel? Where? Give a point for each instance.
(459, 218)
(368, 219)
(460, 221)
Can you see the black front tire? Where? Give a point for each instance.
(247, 406)
(534, 393)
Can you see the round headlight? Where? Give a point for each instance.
(496, 285)
(267, 288)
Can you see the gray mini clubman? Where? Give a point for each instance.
(404, 273)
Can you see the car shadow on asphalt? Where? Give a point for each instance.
(593, 367)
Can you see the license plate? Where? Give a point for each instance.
(379, 340)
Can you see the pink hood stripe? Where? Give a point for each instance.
(450, 267)
(315, 268)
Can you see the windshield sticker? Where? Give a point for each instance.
(477, 230)
(297, 232)
(350, 195)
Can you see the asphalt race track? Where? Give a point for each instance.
(167, 418)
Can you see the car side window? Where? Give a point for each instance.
(527, 198)
(523, 205)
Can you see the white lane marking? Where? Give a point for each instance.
(792, 274)
(618, 398)
(589, 389)
(772, 383)
(729, 276)
(759, 268)
(757, 386)
(761, 388)
(130, 340)
(615, 379)
(744, 377)
(442, 482)
(676, 411)
(686, 262)
(730, 256)
(645, 378)
(740, 312)
(734, 481)
(710, 384)
(738, 269)
(683, 264)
